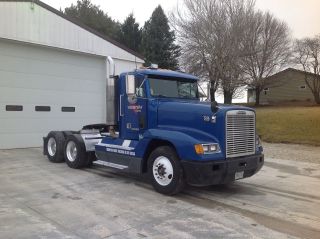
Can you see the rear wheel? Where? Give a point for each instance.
(54, 146)
(165, 171)
(75, 152)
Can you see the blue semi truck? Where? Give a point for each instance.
(157, 125)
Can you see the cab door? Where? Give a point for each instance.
(133, 107)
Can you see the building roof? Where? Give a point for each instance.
(290, 70)
(81, 25)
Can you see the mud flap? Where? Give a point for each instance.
(45, 148)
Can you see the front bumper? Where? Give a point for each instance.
(221, 171)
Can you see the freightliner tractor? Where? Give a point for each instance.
(157, 125)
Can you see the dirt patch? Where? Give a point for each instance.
(294, 152)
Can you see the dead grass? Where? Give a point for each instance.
(287, 124)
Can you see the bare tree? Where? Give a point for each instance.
(198, 52)
(235, 24)
(268, 45)
(211, 33)
(307, 54)
(198, 63)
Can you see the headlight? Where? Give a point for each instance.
(258, 141)
(213, 148)
(207, 148)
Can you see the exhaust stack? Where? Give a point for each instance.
(111, 102)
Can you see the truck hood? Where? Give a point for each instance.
(192, 116)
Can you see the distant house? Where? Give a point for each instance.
(285, 86)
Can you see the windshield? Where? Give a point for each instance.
(173, 88)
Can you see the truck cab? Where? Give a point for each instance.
(158, 126)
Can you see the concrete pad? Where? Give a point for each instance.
(39, 199)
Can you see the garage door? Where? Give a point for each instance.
(43, 89)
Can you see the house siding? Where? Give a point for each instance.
(285, 87)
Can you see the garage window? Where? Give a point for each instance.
(14, 108)
(68, 109)
(43, 108)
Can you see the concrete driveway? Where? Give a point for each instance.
(39, 199)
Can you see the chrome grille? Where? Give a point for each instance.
(240, 133)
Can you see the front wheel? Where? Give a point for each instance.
(165, 171)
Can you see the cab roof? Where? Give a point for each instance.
(166, 73)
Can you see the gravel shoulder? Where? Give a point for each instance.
(295, 152)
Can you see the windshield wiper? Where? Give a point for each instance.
(188, 97)
(161, 96)
(177, 97)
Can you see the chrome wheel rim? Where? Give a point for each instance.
(71, 151)
(162, 171)
(52, 147)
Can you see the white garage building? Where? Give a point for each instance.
(53, 73)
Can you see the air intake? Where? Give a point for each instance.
(240, 133)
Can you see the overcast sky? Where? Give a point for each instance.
(303, 16)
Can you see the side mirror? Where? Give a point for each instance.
(130, 85)
(214, 107)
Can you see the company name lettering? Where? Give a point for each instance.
(120, 151)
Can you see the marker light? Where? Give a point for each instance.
(199, 149)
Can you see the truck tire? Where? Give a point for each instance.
(165, 171)
(75, 152)
(54, 146)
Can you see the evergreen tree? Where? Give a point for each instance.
(92, 16)
(130, 34)
(158, 41)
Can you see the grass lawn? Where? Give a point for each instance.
(289, 124)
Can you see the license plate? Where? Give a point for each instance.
(239, 175)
